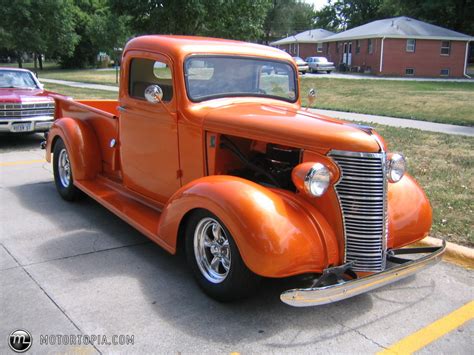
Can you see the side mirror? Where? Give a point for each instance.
(311, 97)
(153, 94)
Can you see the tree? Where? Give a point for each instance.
(345, 14)
(457, 15)
(38, 27)
(238, 19)
(286, 17)
(98, 30)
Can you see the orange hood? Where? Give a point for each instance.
(287, 126)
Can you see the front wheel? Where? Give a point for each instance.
(215, 260)
(62, 168)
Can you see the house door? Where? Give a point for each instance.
(347, 56)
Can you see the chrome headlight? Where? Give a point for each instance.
(396, 167)
(317, 180)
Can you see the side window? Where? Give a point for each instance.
(146, 72)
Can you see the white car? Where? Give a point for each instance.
(320, 64)
(302, 65)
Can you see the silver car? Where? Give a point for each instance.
(320, 64)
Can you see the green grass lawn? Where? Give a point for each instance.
(53, 71)
(444, 166)
(94, 76)
(78, 93)
(444, 102)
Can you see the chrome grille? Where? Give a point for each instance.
(10, 110)
(362, 195)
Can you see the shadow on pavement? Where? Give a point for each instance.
(20, 141)
(168, 288)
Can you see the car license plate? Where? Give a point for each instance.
(21, 127)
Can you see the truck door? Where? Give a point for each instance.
(149, 131)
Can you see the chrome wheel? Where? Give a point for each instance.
(64, 168)
(212, 250)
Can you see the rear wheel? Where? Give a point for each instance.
(215, 260)
(63, 177)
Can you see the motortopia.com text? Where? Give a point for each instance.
(92, 339)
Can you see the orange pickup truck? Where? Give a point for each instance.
(208, 151)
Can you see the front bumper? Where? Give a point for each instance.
(314, 296)
(27, 124)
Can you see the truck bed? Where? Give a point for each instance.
(102, 116)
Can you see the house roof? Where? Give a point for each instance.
(399, 27)
(310, 36)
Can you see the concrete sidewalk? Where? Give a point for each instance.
(399, 122)
(350, 116)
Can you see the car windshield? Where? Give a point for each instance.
(17, 79)
(209, 77)
(321, 60)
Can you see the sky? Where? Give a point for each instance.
(318, 4)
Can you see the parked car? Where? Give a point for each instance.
(24, 105)
(320, 64)
(302, 65)
(225, 166)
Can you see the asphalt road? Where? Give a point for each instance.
(76, 269)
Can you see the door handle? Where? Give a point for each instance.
(122, 108)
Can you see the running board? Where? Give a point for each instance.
(129, 206)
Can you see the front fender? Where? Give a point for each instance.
(81, 143)
(409, 213)
(277, 233)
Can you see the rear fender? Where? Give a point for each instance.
(81, 143)
(276, 234)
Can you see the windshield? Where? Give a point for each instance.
(321, 60)
(209, 77)
(17, 79)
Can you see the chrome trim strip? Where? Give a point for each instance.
(304, 297)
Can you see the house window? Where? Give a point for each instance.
(411, 44)
(357, 46)
(369, 45)
(319, 47)
(410, 71)
(444, 72)
(445, 47)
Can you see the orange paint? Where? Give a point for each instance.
(152, 164)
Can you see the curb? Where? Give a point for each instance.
(454, 253)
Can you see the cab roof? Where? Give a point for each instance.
(178, 47)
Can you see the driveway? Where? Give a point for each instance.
(76, 269)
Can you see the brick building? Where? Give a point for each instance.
(399, 46)
(304, 44)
